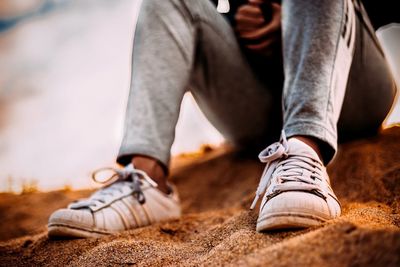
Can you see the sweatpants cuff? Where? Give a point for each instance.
(126, 153)
(327, 138)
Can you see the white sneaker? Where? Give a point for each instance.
(296, 186)
(130, 201)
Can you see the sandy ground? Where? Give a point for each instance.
(217, 228)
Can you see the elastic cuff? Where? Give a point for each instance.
(327, 138)
(126, 153)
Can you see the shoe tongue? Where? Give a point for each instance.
(299, 147)
(130, 168)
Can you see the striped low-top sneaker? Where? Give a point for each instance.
(130, 200)
(296, 188)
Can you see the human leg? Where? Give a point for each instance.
(295, 185)
(320, 40)
(164, 43)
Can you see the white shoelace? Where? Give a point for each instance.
(119, 182)
(284, 167)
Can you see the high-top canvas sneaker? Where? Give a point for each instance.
(296, 188)
(130, 201)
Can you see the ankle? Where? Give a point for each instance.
(313, 143)
(154, 169)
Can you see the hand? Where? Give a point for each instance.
(257, 33)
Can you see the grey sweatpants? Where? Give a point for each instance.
(331, 78)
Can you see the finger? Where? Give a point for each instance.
(260, 33)
(244, 29)
(272, 27)
(249, 10)
(256, 2)
(264, 45)
(249, 17)
(249, 22)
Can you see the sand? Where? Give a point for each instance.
(217, 229)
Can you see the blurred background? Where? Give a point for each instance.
(64, 81)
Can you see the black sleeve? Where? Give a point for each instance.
(382, 12)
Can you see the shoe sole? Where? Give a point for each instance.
(288, 221)
(64, 231)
